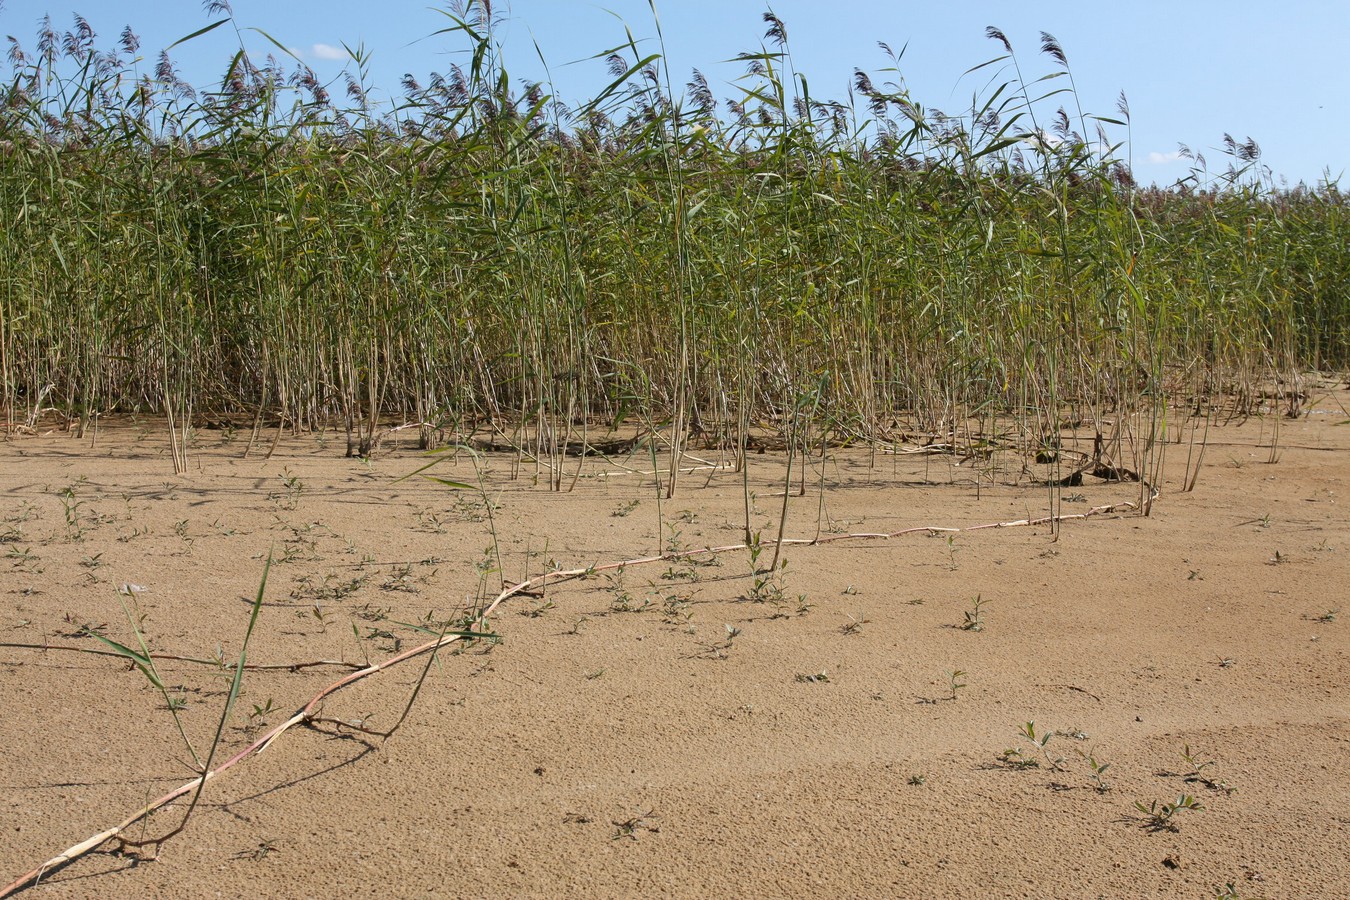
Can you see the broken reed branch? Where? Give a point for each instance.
(308, 713)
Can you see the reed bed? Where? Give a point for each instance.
(479, 254)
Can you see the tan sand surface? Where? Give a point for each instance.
(651, 732)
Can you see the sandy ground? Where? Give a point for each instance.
(652, 732)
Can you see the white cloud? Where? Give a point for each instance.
(327, 51)
(1158, 159)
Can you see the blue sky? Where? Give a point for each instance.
(1192, 69)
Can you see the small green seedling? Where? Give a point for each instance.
(718, 650)
(1019, 758)
(974, 617)
(1096, 771)
(629, 828)
(854, 625)
(71, 507)
(1161, 816)
(535, 612)
(263, 850)
(626, 602)
(430, 521)
(1195, 761)
(1196, 772)
(954, 682)
(261, 710)
(294, 488)
(674, 544)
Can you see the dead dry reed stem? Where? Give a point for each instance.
(307, 713)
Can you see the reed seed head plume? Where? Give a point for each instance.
(1061, 126)
(995, 34)
(598, 121)
(477, 13)
(17, 58)
(459, 89)
(777, 32)
(1051, 48)
(700, 93)
(47, 41)
(164, 70)
(305, 78)
(838, 115)
(77, 43)
(129, 41)
(355, 91)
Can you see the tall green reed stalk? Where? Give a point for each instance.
(479, 254)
